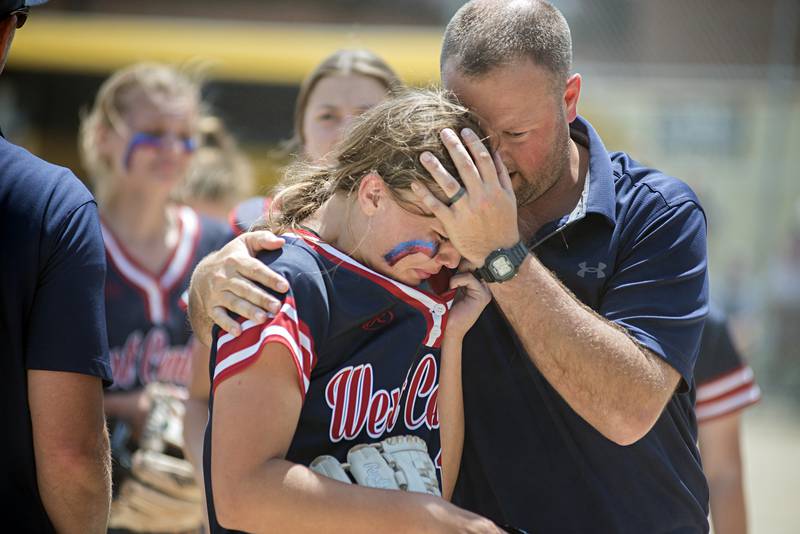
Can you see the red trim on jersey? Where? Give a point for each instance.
(313, 241)
(304, 362)
(721, 376)
(232, 218)
(134, 262)
(730, 398)
(136, 287)
(156, 280)
(188, 264)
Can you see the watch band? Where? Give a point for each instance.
(516, 255)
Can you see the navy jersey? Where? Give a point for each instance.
(366, 350)
(52, 315)
(634, 251)
(148, 331)
(725, 383)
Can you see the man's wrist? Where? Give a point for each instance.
(502, 264)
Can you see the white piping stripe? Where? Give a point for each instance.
(432, 305)
(724, 384)
(288, 310)
(183, 254)
(248, 352)
(728, 404)
(247, 325)
(410, 291)
(292, 314)
(142, 280)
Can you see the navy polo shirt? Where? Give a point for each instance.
(52, 313)
(634, 250)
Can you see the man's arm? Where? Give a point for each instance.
(73, 459)
(617, 386)
(227, 280)
(610, 380)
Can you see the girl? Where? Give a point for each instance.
(339, 89)
(137, 142)
(353, 356)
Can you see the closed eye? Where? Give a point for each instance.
(515, 135)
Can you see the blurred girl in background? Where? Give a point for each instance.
(137, 142)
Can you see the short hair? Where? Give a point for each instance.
(486, 34)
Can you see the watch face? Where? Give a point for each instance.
(501, 267)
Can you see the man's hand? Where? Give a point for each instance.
(226, 282)
(485, 218)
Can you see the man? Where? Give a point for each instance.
(725, 387)
(56, 469)
(577, 379)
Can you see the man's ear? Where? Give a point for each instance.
(572, 94)
(372, 193)
(7, 29)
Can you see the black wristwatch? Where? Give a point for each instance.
(502, 264)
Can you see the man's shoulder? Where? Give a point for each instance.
(28, 182)
(632, 178)
(645, 194)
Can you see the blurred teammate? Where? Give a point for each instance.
(725, 387)
(56, 464)
(137, 142)
(340, 88)
(220, 176)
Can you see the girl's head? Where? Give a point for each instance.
(370, 174)
(221, 175)
(343, 86)
(140, 132)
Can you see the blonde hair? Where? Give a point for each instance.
(160, 83)
(341, 63)
(388, 140)
(220, 171)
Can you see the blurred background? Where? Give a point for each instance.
(706, 91)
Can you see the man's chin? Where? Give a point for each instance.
(525, 193)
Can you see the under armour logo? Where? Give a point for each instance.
(594, 270)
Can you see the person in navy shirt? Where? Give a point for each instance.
(362, 348)
(578, 378)
(55, 353)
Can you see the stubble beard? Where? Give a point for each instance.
(531, 187)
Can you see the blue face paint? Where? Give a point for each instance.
(154, 141)
(406, 248)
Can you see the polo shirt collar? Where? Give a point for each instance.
(598, 191)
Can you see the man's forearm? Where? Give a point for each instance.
(607, 378)
(76, 488)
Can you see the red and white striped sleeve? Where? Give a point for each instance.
(726, 394)
(235, 354)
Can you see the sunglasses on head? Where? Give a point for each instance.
(21, 14)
